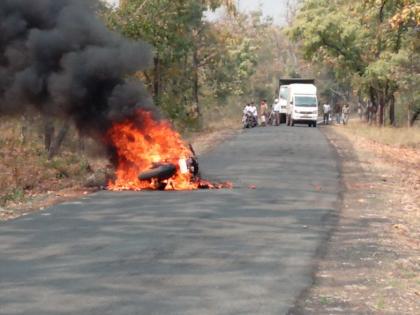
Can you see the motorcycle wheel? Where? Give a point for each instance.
(161, 172)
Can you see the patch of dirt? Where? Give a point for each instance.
(372, 261)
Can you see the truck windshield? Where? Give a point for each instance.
(305, 101)
(284, 92)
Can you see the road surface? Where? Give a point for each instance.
(239, 251)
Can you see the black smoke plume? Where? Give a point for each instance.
(58, 57)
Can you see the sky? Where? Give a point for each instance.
(274, 8)
(113, 2)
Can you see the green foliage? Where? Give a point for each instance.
(169, 27)
(405, 67)
(198, 61)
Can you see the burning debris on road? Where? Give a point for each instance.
(58, 58)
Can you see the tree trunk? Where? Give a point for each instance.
(58, 141)
(381, 108)
(195, 78)
(156, 80)
(389, 100)
(374, 102)
(81, 143)
(381, 114)
(392, 110)
(48, 133)
(24, 129)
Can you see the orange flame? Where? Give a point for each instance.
(138, 149)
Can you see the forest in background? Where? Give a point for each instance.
(205, 67)
(365, 52)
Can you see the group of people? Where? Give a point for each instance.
(266, 116)
(341, 113)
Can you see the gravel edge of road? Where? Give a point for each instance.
(368, 265)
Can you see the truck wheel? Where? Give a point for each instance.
(292, 123)
(310, 124)
(314, 124)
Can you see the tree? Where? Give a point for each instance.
(359, 41)
(193, 56)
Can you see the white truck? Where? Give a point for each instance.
(302, 104)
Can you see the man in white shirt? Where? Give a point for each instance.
(254, 110)
(326, 109)
(247, 108)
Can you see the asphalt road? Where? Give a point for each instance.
(239, 251)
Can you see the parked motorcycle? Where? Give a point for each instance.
(250, 121)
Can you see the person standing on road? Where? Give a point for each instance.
(276, 109)
(326, 109)
(263, 112)
(254, 112)
(346, 113)
(337, 111)
(360, 111)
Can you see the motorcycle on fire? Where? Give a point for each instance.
(159, 173)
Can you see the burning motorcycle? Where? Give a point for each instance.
(160, 174)
(154, 157)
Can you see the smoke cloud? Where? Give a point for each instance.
(58, 57)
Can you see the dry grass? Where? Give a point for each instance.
(219, 123)
(397, 147)
(397, 137)
(222, 118)
(25, 171)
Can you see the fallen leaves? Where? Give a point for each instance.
(401, 228)
(7, 214)
(377, 241)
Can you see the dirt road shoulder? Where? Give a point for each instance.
(372, 262)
